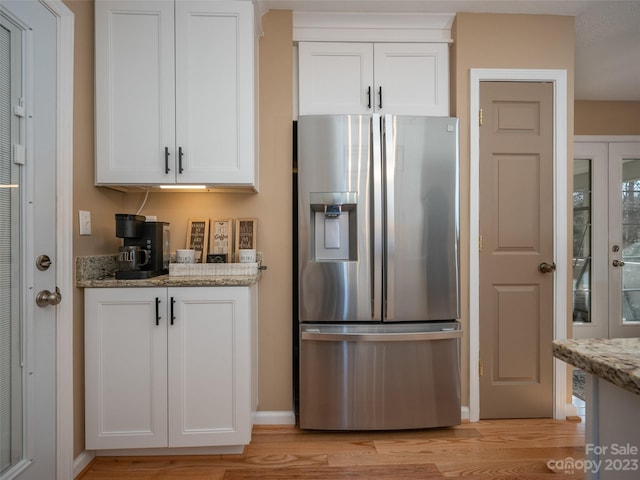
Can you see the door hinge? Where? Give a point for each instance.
(18, 154)
(19, 110)
(480, 243)
(480, 117)
(480, 368)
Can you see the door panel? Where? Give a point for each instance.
(126, 372)
(516, 228)
(624, 240)
(208, 365)
(31, 216)
(336, 78)
(412, 78)
(590, 241)
(421, 164)
(606, 279)
(334, 168)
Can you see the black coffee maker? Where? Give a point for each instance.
(150, 236)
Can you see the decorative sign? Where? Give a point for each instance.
(221, 241)
(246, 233)
(198, 237)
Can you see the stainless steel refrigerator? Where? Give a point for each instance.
(378, 272)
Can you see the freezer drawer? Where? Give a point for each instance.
(385, 377)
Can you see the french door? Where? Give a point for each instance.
(606, 238)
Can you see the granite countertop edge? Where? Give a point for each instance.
(616, 360)
(172, 281)
(98, 271)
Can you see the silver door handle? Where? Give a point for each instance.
(545, 267)
(44, 298)
(618, 263)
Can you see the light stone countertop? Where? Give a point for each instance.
(98, 271)
(616, 360)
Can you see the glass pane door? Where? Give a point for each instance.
(624, 231)
(590, 237)
(11, 379)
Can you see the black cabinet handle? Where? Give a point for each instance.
(166, 160)
(173, 317)
(369, 98)
(157, 311)
(180, 169)
(380, 95)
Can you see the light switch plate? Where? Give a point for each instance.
(84, 217)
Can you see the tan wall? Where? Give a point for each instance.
(101, 203)
(607, 118)
(507, 42)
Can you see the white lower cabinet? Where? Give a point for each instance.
(169, 367)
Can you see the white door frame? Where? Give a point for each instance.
(64, 238)
(560, 166)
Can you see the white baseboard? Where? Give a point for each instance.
(464, 412)
(81, 462)
(286, 417)
(570, 410)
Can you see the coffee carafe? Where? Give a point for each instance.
(146, 249)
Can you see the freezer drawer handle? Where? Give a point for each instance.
(381, 337)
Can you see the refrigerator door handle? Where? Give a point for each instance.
(389, 166)
(382, 337)
(376, 221)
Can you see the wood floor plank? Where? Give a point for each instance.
(458, 455)
(398, 472)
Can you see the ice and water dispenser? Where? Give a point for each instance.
(333, 224)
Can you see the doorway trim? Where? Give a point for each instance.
(560, 192)
(64, 237)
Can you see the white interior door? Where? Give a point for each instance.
(606, 246)
(28, 217)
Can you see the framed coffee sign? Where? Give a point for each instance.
(221, 241)
(198, 237)
(246, 234)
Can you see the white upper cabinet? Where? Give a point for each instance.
(175, 92)
(357, 78)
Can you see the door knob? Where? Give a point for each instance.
(618, 263)
(545, 267)
(44, 298)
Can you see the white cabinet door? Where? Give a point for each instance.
(361, 78)
(135, 91)
(412, 78)
(175, 93)
(209, 367)
(125, 368)
(335, 78)
(214, 92)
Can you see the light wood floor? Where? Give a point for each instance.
(490, 449)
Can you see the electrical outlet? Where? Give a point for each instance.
(84, 217)
(151, 218)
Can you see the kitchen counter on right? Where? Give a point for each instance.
(614, 359)
(612, 433)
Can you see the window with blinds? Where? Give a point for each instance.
(11, 376)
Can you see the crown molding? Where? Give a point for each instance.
(372, 27)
